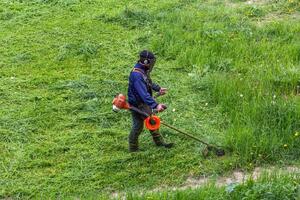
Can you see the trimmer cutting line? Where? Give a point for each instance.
(153, 122)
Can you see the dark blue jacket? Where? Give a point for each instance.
(140, 88)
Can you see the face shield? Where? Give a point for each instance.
(151, 64)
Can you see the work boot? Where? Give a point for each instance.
(159, 141)
(133, 147)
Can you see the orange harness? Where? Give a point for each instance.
(138, 70)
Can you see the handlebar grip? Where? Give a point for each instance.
(154, 111)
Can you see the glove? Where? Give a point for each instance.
(163, 91)
(161, 107)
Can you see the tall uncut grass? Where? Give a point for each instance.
(252, 72)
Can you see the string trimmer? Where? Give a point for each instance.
(153, 122)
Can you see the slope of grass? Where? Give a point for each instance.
(231, 80)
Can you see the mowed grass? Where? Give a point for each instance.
(232, 69)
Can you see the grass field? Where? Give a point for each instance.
(232, 69)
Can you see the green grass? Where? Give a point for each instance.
(232, 70)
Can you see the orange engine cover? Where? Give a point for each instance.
(120, 102)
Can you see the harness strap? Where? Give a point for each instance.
(138, 70)
(146, 79)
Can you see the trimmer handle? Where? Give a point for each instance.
(139, 111)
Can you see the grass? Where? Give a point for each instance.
(232, 74)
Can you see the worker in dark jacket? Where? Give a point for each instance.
(140, 95)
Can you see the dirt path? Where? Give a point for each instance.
(237, 176)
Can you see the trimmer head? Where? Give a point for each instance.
(220, 152)
(217, 151)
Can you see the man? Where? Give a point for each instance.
(140, 95)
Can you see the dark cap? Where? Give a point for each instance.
(145, 54)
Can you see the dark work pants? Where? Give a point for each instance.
(138, 125)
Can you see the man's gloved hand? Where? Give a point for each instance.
(163, 91)
(161, 107)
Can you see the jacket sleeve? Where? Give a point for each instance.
(140, 87)
(155, 87)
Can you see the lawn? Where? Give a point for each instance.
(232, 69)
